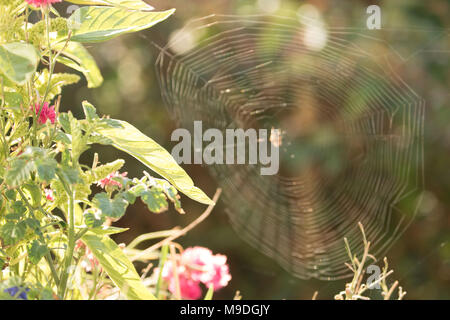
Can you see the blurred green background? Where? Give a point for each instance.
(421, 258)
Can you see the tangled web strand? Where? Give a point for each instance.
(351, 143)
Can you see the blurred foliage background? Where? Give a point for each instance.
(421, 258)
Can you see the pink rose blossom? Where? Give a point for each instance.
(46, 113)
(38, 3)
(49, 194)
(197, 265)
(109, 180)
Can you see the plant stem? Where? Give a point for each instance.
(46, 14)
(181, 232)
(50, 58)
(71, 246)
(47, 256)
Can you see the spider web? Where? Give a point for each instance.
(351, 143)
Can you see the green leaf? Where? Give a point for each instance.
(137, 190)
(46, 168)
(19, 172)
(155, 200)
(12, 232)
(33, 224)
(18, 61)
(69, 174)
(132, 141)
(126, 4)
(35, 193)
(114, 208)
(62, 137)
(173, 196)
(36, 251)
(78, 143)
(11, 194)
(105, 230)
(13, 216)
(90, 113)
(20, 130)
(101, 172)
(92, 220)
(57, 81)
(118, 267)
(64, 121)
(13, 99)
(95, 24)
(18, 208)
(78, 58)
(209, 293)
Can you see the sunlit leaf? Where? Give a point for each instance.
(101, 172)
(92, 220)
(12, 99)
(155, 200)
(35, 193)
(12, 232)
(129, 4)
(114, 208)
(118, 267)
(18, 61)
(132, 141)
(89, 110)
(94, 23)
(46, 168)
(58, 80)
(36, 251)
(105, 230)
(19, 172)
(69, 174)
(209, 293)
(78, 58)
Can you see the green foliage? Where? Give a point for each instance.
(146, 150)
(46, 168)
(36, 251)
(124, 4)
(12, 232)
(18, 61)
(19, 171)
(101, 172)
(56, 83)
(95, 24)
(114, 208)
(155, 200)
(117, 266)
(93, 220)
(47, 206)
(77, 57)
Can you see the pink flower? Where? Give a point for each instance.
(46, 113)
(189, 289)
(109, 180)
(49, 194)
(220, 274)
(38, 3)
(197, 265)
(206, 267)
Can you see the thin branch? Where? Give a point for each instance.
(183, 231)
